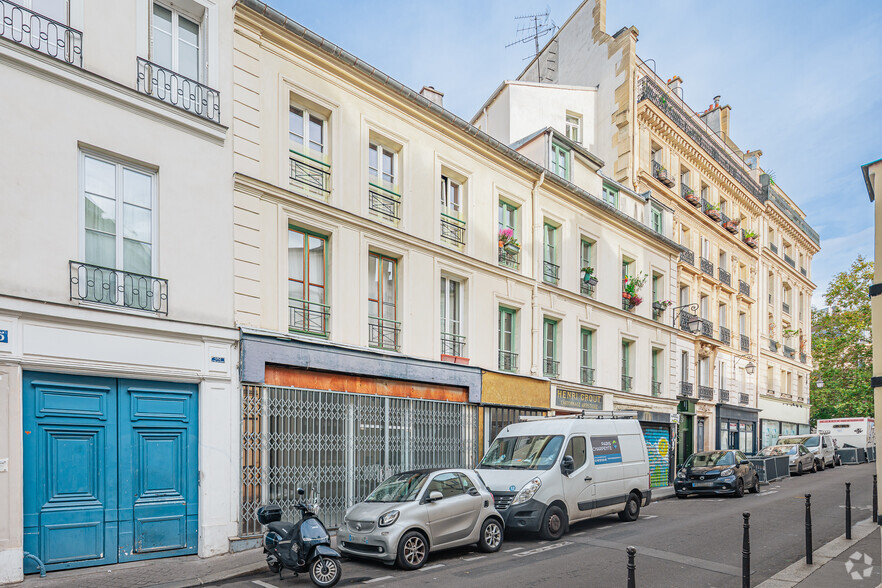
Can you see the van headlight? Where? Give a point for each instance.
(388, 518)
(528, 491)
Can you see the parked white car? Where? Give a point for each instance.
(801, 459)
(821, 446)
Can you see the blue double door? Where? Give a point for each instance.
(110, 470)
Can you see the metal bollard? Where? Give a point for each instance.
(808, 529)
(632, 567)
(876, 502)
(745, 553)
(848, 510)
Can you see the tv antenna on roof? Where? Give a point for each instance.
(532, 27)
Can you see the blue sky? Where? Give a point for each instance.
(804, 79)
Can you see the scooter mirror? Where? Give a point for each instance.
(301, 491)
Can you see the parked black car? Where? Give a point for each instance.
(716, 472)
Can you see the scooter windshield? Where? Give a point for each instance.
(312, 530)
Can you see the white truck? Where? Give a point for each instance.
(850, 432)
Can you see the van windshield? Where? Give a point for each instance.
(529, 452)
(807, 440)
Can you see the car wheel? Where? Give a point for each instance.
(814, 467)
(833, 462)
(739, 488)
(413, 551)
(553, 524)
(799, 469)
(491, 536)
(756, 486)
(821, 465)
(325, 571)
(632, 508)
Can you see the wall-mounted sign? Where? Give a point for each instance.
(574, 399)
(4, 336)
(216, 359)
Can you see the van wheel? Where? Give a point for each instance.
(799, 469)
(553, 524)
(821, 465)
(491, 536)
(632, 508)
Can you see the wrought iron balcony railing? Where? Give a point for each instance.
(688, 256)
(384, 333)
(550, 367)
(104, 285)
(50, 37)
(687, 192)
(586, 288)
(309, 175)
(686, 389)
(626, 383)
(707, 266)
(453, 229)
(774, 248)
(707, 328)
(587, 375)
(802, 357)
(725, 336)
(453, 344)
(177, 90)
(773, 345)
(705, 393)
(744, 398)
(744, 288)
(745, 343)
(724, 395)
(508, 361)
(663, 175)
(550, 272)
(789, 261)
(725, 276)
(785, 307)
(656, 388)
(304, 316)
(789, 351)
(685, 317)
(509, 259)
(803, 271)
(385, 203)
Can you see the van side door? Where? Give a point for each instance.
(578, 484)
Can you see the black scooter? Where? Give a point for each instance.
(299, 546)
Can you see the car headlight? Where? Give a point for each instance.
(388, 518)
(727, 472)
(527, 491)
(681, 474)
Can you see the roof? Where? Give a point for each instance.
(561, 138)
(866, 171)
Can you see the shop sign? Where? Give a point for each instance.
(606, 450)
(574, 399)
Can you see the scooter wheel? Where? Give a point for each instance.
(325, 571)
(274, 566)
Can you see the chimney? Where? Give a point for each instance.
(433, 95)
(716, 101)
(676, 86)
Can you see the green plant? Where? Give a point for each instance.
(749, 235)
(711, 206)
(587, 273)
(790, 332)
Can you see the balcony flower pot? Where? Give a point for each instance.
(714, 214)
(691, 198)
(731, 226)
(592, 281)
(588, 276)
(511, 248)
(750, 241)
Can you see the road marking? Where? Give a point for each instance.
(473, 558)
(513, 549)
(264, 584)
(670, 556)
(767, 492)
(650, 517)
(378, 579)
(602, 528)
(544, 548)
(579, 533)
(434, 567)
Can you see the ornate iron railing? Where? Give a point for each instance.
(725, 276)
(648, 89)
(50, 37)
(789, 261)
(177, 90)
(802, 357)
(725, 336)
(656, 388)
(113, 287)
(773, 345)
(626, 383)
(453, 344)
(586, 288)
(305, 316)
(789, 351)
(685, 317)
(745, 343)
(550, 272)
(705, 393)
(774, 248)
(550, 367)
(384, 333)
(724, 395)
(509, 259)
(309, 174)
(707, 266)
(686, 389)
(723, 218)
(688, 256)
(686, 191)
(707, 328)
(384, 202)
(453, 229)
(744, 288)
(769, 193)
(744, 398)
(664, 176)
(587, 376)
(785, 307)
(508, 361)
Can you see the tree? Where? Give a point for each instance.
(842, 346)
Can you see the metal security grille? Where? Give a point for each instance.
(497, 418)
(339, 446)
(658, 447)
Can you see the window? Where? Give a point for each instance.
(657, 219)
(550, 265)
(705, 248)
(742, 323)
(452, 332)
(449, 485)
(723, 313)
(684, 177)
(383, 326)
(656, 371)
(574, 128)
(684, 366)
(626, 366)
(684, 295)
(576, 448)
(306, 132)
(508, 357)
(722, 258)
(383, 165)
(175, 42)
(705, 193)
(721, 370)
(451, 197)
(587, 356)
(560, 160)
(586, 259)
(549, 331)
(610, 195)
(308, 311)
(704, 371)
(656, 155)
(384, 198)
(656, 286)
(509, 253)
(55, 9)
(308, 150)
(704, 307)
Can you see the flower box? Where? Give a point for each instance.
(664, 177)
(731, 226)
(511, 248)
(691, 198)
(750, 241)
(714, 214)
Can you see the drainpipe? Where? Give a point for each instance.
(536, 334)
(38, 562)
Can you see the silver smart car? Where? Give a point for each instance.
(413, 513)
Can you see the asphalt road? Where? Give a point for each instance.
(694, 542)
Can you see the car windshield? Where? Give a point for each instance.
(710, 459)
(779, 450)
(399, 488)
(528, 452)
(807, 440)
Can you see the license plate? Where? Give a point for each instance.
(702, 484)
(350, 538)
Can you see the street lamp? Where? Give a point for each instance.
(820, 383)
(694, 322)
(750, 368)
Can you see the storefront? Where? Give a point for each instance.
(506, 399)
(737, 428)
(782, 417)
(659, 423)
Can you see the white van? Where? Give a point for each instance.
(548, 472)
(853, 432)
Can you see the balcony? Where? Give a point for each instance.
(712, 211)
(724, 395)
(509, 258)
(802, 357)
(660, 173)
(803, 271)
(453, 344)
(749, 238)
(789, 351)
(177, 90)
(705, 393)
(745, 343)
(587, 376)
(656, 388)
(508, 361)
(41, 33)
(725, 276)
(730, 224)
(707, 266)
(383, 202)
(686, 389)
(689, 194)
(785, 307)
(104, 285)
(744, 398)
(744, 288)
(774, 248)
(688, 256)
(789, 261)
(453, 230)
(773, 345)
(707, 328)
(384, 333)
(586, 288)
(626, 383)
(550, 368)
(312, 318)
(685, 317)
(725, 336)
(309, 175)
(658, 310)
(550, 272)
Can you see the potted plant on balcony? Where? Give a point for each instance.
(731, 225)
(588, 276)
(659, 306)
(507, 241)
(713, 211)
(630, 288)
(749, 237)
(661, 173)
(689, 195)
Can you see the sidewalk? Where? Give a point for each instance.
(173, 572)
(830, 563)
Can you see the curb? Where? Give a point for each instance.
(218, 576)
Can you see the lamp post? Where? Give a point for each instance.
(694, 323)
(750, 368)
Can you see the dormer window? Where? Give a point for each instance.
(560, 160)
(574, 128)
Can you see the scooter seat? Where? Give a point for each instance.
(285, 530)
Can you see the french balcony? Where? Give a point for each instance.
(744, 398)
(773, 346)
(453, 344)
(731, 224)
(453, 230)
(40, 33)
(686, 389)
(688, 256)
(802, 357)
(774, 248)
(707, 328)
(711, 210)
(707, 266)
(510, 258)
(685, 317)
(789, 261)
(587, 376)
(550, 368)
(626, 383)
(662, 174)
(745, 343)
(508, 361)
(385, 203)
(177, 90)
(725, 277)
(312, 318)
(789, 351)
(656, 388)
(724, 395)
(550, 272)
(587, 288)
(308, 175)
(705, 393)
(384, 333)
(749, 240)
(744, 288)
(725, 336)
(785, 307)
(689, 194)
(122, 289)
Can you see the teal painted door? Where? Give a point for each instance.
(110, 470)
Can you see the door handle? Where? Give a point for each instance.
(587, 478)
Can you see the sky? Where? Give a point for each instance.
(803, 78)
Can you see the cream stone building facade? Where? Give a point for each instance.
(118, 381)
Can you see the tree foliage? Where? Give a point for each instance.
(842, 346)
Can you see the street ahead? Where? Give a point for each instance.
(695, 542)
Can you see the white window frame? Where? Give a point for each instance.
(573, 127)
(177, 14)
(306, 146)
(560, 158)
(383, 150)
(450, 324)
(452, 206)
(658, 219)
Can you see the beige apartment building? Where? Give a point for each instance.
(407, 285)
